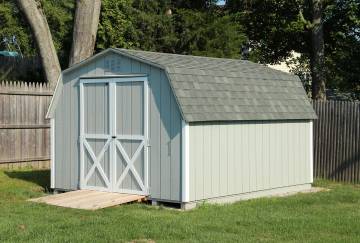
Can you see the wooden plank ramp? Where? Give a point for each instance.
(88, 199)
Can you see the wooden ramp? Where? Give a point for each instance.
(87, 199)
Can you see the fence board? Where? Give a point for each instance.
(336, 140)
(24, 131)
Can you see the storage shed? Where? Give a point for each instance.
(180, 128)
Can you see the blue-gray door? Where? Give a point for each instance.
(113, 134)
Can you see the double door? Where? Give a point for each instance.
(113, 134)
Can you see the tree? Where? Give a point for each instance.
(40, 29)
(84, 37)
(342, 46)
(208, 33)
(328, 37)
(273, 28)
(85, 28)
(317, 54)
(194, 5)
(143, 24)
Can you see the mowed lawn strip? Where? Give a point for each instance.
(329, 216)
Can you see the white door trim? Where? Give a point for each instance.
(146, 134)
(113, 139)
(82, 136)
(112, 126)
(113, 79)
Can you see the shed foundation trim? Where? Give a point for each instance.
(282, 191)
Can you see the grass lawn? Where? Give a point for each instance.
(331, 216)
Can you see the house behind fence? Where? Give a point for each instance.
(24, 131)
(337, 140)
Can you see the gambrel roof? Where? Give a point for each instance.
(212, 89)
(219, 89)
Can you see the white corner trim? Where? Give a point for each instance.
(185, 162)
(52, 153)
(311, 151)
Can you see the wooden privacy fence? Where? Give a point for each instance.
(24, 131)
(337, 140)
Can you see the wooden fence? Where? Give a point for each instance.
(337, 140)
(24, 131)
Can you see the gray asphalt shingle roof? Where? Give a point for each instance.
(218, 89)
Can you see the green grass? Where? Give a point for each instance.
(331, 216)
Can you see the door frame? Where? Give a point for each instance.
(111, 80)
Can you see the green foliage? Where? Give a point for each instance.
(124, 26)
(144, 25)
(277, 27)
(194, 5)
(274, 27)
(115, 26)
(300, 66)
(59, 15)
(11, 24)
(208, 34)
(342, 45)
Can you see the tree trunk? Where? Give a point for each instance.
(85, 28)
(317, 56)
(40, 29)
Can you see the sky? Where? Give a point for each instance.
(221, 2)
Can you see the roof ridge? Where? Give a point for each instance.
(174, 65)
(185, 55)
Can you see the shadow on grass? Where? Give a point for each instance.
(39, 177)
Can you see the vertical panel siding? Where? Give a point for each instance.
(165, 108)
(237, 157)
(164, 126)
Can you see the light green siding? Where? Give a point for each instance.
(228, 158)
(164, 125)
